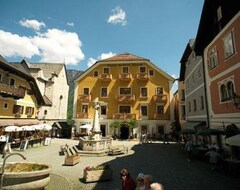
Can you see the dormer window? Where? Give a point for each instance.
(106, 70)
(142, 69)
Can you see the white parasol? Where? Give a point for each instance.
(234, 140)
(12, 128)
(86, 126)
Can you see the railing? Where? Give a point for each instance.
(142, 76)
(125, 98)
(160, 116)
(12, 91)
(125, 76)
(83, 115)
(159, 98)
(124, 116)
(105, 77)
(85, 98)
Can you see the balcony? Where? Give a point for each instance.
(105, 77)
(83, 115)
(143, 76)
(158, 116)
(85, 98)
(125, 77)
(12, 91)
(124, 116)
(126, 98)
(159, 98)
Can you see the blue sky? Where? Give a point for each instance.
(79, 32)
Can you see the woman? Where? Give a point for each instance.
(140, 182)
(127, 181)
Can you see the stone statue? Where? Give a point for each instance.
(96, 127)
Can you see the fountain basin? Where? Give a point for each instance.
(26, 176)
(86, 144)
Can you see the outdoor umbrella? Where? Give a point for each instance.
(234, 140)
(46, 127)
(86, 126)
(27, 128)
(12, 128)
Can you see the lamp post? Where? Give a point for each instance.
(236, 100)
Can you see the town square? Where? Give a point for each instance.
(120, 96)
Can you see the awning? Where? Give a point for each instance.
(209, 132)
(187, 131)
(18, 122)
(234, 140)
(192, 124)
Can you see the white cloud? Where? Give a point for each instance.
(91, 60)
(36, 25)
(70, 24)
(58, 45)
(52, 46)
(118, 16)
(15, 45)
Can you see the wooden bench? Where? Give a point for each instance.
(115, 150)
(72, 156)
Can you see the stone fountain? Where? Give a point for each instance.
(95, 144)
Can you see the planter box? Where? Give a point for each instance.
(97, 175)
(72, 160)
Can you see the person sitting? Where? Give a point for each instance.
(140, 182)
(147, 182)
(126, 180)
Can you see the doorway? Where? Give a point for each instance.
(103, 130)
(124, 132)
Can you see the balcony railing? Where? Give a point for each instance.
(85, 98)
(83, 115)
(12, 91)
(159, 98)
(143, 76)
(124, 116)
(160, 116)
(125, 76)
(105, 77)
(125, 98)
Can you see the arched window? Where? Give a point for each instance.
(230, 90)
(223, 93)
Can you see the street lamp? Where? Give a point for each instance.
(236, 100)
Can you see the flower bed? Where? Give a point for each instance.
(98, 173)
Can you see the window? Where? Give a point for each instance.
(228, 45)
(213, 61)
(104, 92)
(85, 91)
(125, 91)
(151, 72)
(142, 69)
(125, 70)
(202, 102)
(17, 109)
(230, 90)
(194, 105)
(84, 108)
(0, 77)
(183, 111)
(144, 110)
(5, 105)
(183, 95)
(103, 110)
(159, 90)
(124, 109)
(12, 82)
(160, 109)
(106, 70)
(29, 110)
(223, 93)
(143, 92)
(45, 112)
(95, 73)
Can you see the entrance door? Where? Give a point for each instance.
(124, 132)
(103, 130)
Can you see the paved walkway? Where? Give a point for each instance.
(166, 163)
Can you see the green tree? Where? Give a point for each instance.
(115, 125)
(132, 125)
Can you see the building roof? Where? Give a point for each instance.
(49, 68)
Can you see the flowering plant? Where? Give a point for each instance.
(100, 167)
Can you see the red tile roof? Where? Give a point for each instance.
(123, 57)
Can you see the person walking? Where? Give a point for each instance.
(126, 180)
(189, 147)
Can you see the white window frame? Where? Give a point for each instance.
(141, 92)
(213, 59)
(157, 90)
(144, 68)
(152, 71)
(85, 104)
(125, 106)
(125, 94)
(229, 45)
(5, 105)
(101, 94)
(106, 68)
(84, 89)
(143, 116)
(96, 71)
(104, 116)
(123, 69)
(162, 105)
(228, 95)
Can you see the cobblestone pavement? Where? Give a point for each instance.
(166, 163)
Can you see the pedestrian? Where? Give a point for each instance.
(147, 182)
(126, 180)
(156, 186)
(140, 182)
(214, 156)
(189, 147)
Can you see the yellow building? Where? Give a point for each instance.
(129, 87)
(20, 97)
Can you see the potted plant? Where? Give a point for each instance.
(97, 173)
